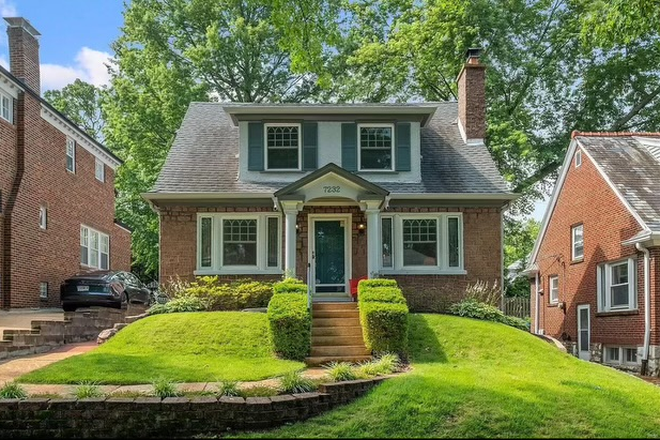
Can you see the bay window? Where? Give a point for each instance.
(616, 285)
(238, 243)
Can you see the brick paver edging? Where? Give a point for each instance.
(169, 417)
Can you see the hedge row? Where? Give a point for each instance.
(290, 320)
(383, 316)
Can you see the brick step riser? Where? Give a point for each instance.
(335, 322)
(325, 360)
(333, 341)
(340, 351)
(337, 331)
(335, 314)
(317, 307)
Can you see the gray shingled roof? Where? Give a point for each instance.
(204, 158)
(633, 168)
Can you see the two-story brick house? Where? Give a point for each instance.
(595, 267)
(332, 193)
(57, 200)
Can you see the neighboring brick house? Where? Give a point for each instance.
(332, 193)
(57, 200)
(595, 267)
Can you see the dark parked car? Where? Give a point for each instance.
(103, 288)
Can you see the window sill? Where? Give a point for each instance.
(578, 261)
(618, 312)
(553, 304)
(377, 171)
(255, 271)
(422, 272)
(283, 171)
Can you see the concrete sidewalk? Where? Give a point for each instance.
(22, 318)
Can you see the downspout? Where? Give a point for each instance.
(647, 306)
(538, 307)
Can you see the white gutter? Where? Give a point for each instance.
(454, 196)
(647, 300)
(196, 196)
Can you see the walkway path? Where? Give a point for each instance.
(13, 368)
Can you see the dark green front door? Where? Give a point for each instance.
(329, 256)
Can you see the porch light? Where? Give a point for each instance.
(361, 228)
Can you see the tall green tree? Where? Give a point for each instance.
(81, 103)
(519, 238)
(173, 52)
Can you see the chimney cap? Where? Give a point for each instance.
(473, 52)
(20, 22)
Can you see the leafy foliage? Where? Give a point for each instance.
(237, 295)
(81, 103)
(519, 238)
(229, 388)
(472, 308)
(375, 282)
(88, 390)
(12, 390)
(165, 388)
(179, 305)
(384, 317)
(341, 371)
(290, 285)
(388, 363)
(382, 294)
(290, 325)
(294, 382)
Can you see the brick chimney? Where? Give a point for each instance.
(24, 51)
(472, 98)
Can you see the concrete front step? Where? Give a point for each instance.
(340, 351)
(316, 361)
(338, 313)
(323, 341)
(335, 322)
(334, 306)
(352, 330)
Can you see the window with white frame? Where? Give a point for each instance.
(578, 158)
(99, 170)
(577, 242)
(616, 285)
(43, 290)
(422, 243)
(621, 355)
(376, 147)
(283, 146)
(94, 248)
(71, 155)
(238, 242)
(554, 289)
(43, 217)
(6, 107)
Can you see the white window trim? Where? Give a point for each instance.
(70, 141)
(578, 158)
(43, 217)
(604, 297)
(359, 147)
(282, 124)
(10, 112)
(99, 250)
(574, 242)
(99, 165)
(216, 244)
(442, 268)
(43, 290)
(622, 356)
(554, 279)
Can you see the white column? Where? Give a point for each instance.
(373, 242)
(290, 241)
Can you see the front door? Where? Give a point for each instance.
(584, 332)
(329, 256)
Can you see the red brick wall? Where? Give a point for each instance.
(482, 250)
(7, 171)
(472, 100)
(53, 254)
(587, 198)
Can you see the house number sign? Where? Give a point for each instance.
(328, 189)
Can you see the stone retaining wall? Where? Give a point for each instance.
(170, 417)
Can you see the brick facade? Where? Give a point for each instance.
(33, 174)
(472, 99)
(586, 198)
(481, 235)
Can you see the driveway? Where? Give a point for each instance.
(21, 319)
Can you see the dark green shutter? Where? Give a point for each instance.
(403, 146)
(349, 146)
(310, 145)
(255, 146)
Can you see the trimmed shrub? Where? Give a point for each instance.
(290, 285)
(375, 282)
(178, 305)
(385, 326)
(290, 325)
(238, 295)
(382, 294)
(471, 308)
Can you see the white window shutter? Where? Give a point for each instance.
(600, 288)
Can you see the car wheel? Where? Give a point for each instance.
(69, 307)
(123, 302)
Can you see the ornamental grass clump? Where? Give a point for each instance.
(341, 371)
(12, 390)
(295, 383)
(165, 388)
(88, 390)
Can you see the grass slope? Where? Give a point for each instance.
(479, 379)
(184, 347)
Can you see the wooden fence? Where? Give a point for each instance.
(518, 306)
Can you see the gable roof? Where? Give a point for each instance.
(629, 163)
(204, 159)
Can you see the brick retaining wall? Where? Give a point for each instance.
(171, 417)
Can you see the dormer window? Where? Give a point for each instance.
(283, 147)
(376, 147)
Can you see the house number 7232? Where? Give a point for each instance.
(331, 189)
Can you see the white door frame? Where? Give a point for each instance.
(584, 354)
(347, 218)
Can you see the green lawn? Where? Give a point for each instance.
(480, 379)
(183, 347)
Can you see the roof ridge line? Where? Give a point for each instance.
(576, 133)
